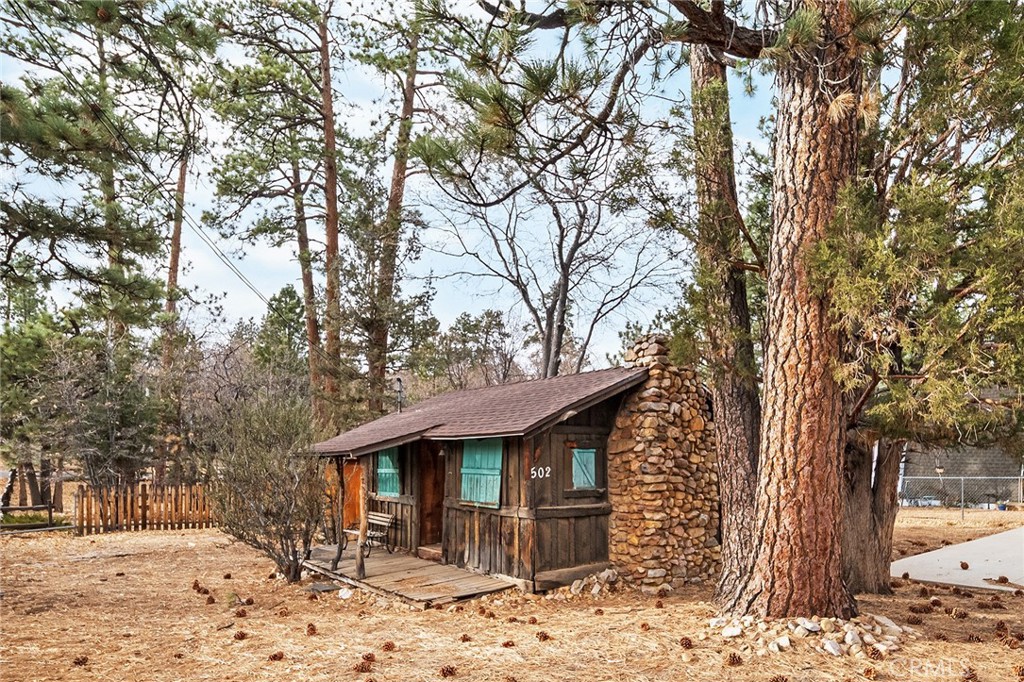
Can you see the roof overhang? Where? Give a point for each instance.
(374, 447)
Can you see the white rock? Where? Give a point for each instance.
(809, 625)
(596, 590)
(577, 587)
(773, 647)
(887, 623)
(732, 631)
(783, 642)
(801, 631)
(345, 593)
(852, 638)
(832, 647)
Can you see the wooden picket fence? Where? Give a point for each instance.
(141, 507)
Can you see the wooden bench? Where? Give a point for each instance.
(378, 528)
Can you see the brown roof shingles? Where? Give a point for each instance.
(504, 410)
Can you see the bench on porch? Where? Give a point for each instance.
(378, 526)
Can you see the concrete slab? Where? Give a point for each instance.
(988, 558)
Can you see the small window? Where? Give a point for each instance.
(584, 468)
(387, 473)
(481, 471)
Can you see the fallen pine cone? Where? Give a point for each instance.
(482, 611)
(1018, 670)
(179, 655)
(283, 612)
(204, 590)
(241, 634)
(448, 671)
(870, 673)
(965, 594)
(388, 646)
(211, 600)
(659, 604)
(920, 608)
(941, 637)
(905, 576)
(276, 656)
(984, 605)
(1018, 593)
(543, 636)
(249, 601)
(778, 678)
(875, 654)
(508, 644)
(509, 678)
(227, 576)
(369, 657)
(686, 642)
(1002, 580)
(310, 630)
(914, 620)
(513, 619)
(968, 675)
(490, 614)
(923, 592)
(645, 626)
(958, 614)
(1001, 626)
(363, 667)
(955, 590)
(313, 596)
(80, 660)
(935, 601)
(895, 583)
(974, 639)
(465, 638)
(532, 620)
(734, 659)
(598, 612)
(196, 586)
(964, 565)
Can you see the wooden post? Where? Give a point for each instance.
(144, 503)
(340, 523)
(364, 510)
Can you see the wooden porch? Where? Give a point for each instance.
(423, 582)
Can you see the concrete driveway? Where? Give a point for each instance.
(987, 558)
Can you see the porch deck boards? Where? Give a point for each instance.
(406, 576)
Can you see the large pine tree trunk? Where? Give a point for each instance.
(384, 300)
(332, 314)
(870, 512)
(798, 565)
(308, 298)
(735, 398)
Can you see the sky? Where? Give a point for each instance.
(270, 268)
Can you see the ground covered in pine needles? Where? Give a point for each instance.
(195, 605)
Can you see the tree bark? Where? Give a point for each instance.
(798, 566)
(870, 512)
(737, 405)
(308, 298)
(382, 309)
(332, 314)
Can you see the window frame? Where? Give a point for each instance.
(496, 474)
(396, 470)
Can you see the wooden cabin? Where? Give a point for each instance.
(509, 480)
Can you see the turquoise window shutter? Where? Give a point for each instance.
(584, 468)
(481, 471)
(387, 473)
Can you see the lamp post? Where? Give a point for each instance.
(399, 392)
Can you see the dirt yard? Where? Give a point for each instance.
(122, 607)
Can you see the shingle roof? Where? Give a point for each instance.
(505, 410)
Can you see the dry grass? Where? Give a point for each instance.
(922, 529)
(63, 601)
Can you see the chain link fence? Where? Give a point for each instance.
(962, 492)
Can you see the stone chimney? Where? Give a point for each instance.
(662, 476)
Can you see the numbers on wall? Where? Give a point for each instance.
(540, 472)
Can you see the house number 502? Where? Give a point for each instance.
(540, 472)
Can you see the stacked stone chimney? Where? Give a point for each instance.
(662, 476)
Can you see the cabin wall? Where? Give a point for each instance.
(404, 533)
(491, 540)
